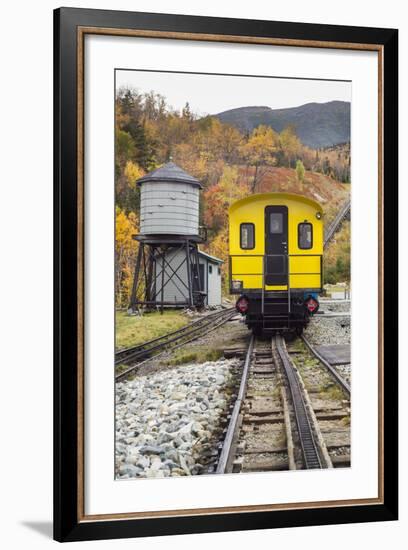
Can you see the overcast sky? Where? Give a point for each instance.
(211, 94)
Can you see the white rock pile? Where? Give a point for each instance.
(168, 422)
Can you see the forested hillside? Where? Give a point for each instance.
(317, 125)
(229, 162)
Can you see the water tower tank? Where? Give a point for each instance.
(169, 202)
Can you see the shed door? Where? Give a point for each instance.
(276, 245)
(196, 286)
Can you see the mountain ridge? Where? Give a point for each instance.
(317, 125)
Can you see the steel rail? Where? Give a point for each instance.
(333, 227)
(146, 348)
(142, 348)
(306, 436)
(331, 314)
(325, 301)
(339, 379)
(225, 456)
(128, 372)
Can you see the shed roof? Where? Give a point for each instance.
(210, 258)
(169, 172)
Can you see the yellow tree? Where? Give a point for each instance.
(226, 141)
(290, 145)
(125, 255)
(220, 196)
(185, 155)
(133, 172)
(260, 152)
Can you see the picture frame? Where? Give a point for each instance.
(71, 27)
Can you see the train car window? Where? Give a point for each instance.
(305, 236)
(219, 271)
(247, 236)
(276, 222)
(210, 269)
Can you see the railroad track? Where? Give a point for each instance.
(272, 425)
(304, 422)
(333, 371)
(338, 220)
(135, 356)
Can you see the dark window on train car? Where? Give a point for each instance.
(276, 223)
(305, 236)
(219, 271)
(247, 236)
(209, 268)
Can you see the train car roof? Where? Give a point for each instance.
(287, 196)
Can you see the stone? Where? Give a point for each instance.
(129, 469)
(143, 462)
(131, 459)
(184, 466)
(178, 396)
(151, 449)
(167, 422)
(156, 464)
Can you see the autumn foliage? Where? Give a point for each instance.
(231, 165)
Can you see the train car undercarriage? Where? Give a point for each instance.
(273, 312)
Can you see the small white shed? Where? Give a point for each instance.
(175, 288)
(212, 278)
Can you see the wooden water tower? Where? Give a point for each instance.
(167, 270)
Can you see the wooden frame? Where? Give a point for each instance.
(71, 26)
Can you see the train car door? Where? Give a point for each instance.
(276, 245)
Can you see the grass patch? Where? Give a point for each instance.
(311, 363)
(200, 355)
(276, 393)
(332, 392)
(183, 357)
(120, 368)
(132, 329)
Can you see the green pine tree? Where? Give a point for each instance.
(300, 171)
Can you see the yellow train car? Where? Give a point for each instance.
(276, 260)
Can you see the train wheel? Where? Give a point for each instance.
(257, 331)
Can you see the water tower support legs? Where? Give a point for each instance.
(133, 296)
(149, 277)
(189, 278)
(163, 265)
(198, 284)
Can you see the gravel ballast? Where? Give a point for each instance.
(168, 423)
(326, 330)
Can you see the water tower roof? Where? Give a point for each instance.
(170, 172)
